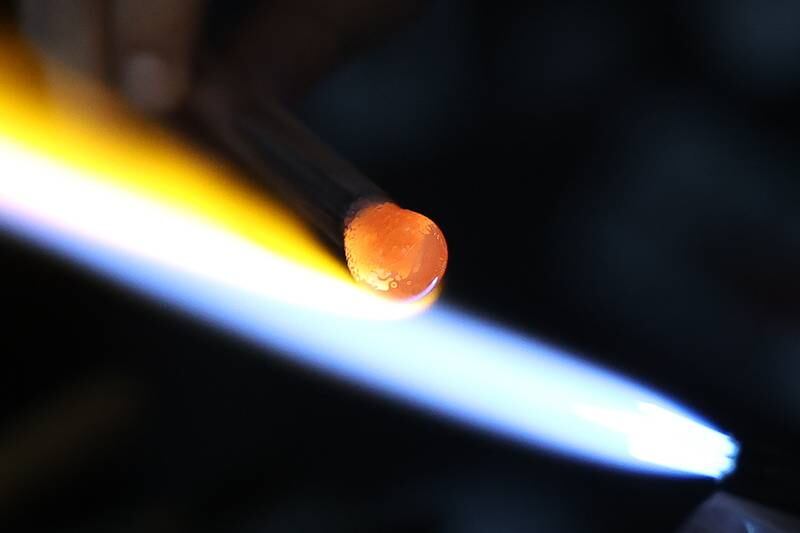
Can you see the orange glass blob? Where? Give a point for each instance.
(396, 252)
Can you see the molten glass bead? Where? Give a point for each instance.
(399, 253)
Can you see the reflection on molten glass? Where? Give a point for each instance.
(396, 252)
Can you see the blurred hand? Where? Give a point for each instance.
(153, 50)
(726, 513)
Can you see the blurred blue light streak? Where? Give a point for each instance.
(443, 361)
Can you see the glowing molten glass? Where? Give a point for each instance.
(397, 252)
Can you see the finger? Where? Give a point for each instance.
(72, 32)
(292, 43)
(154, 45)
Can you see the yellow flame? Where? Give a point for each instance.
(81, 125)
(85, 127)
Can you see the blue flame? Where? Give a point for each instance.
(443, 361)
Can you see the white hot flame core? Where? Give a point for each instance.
(444, 361)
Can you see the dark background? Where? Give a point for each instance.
(621, 179)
